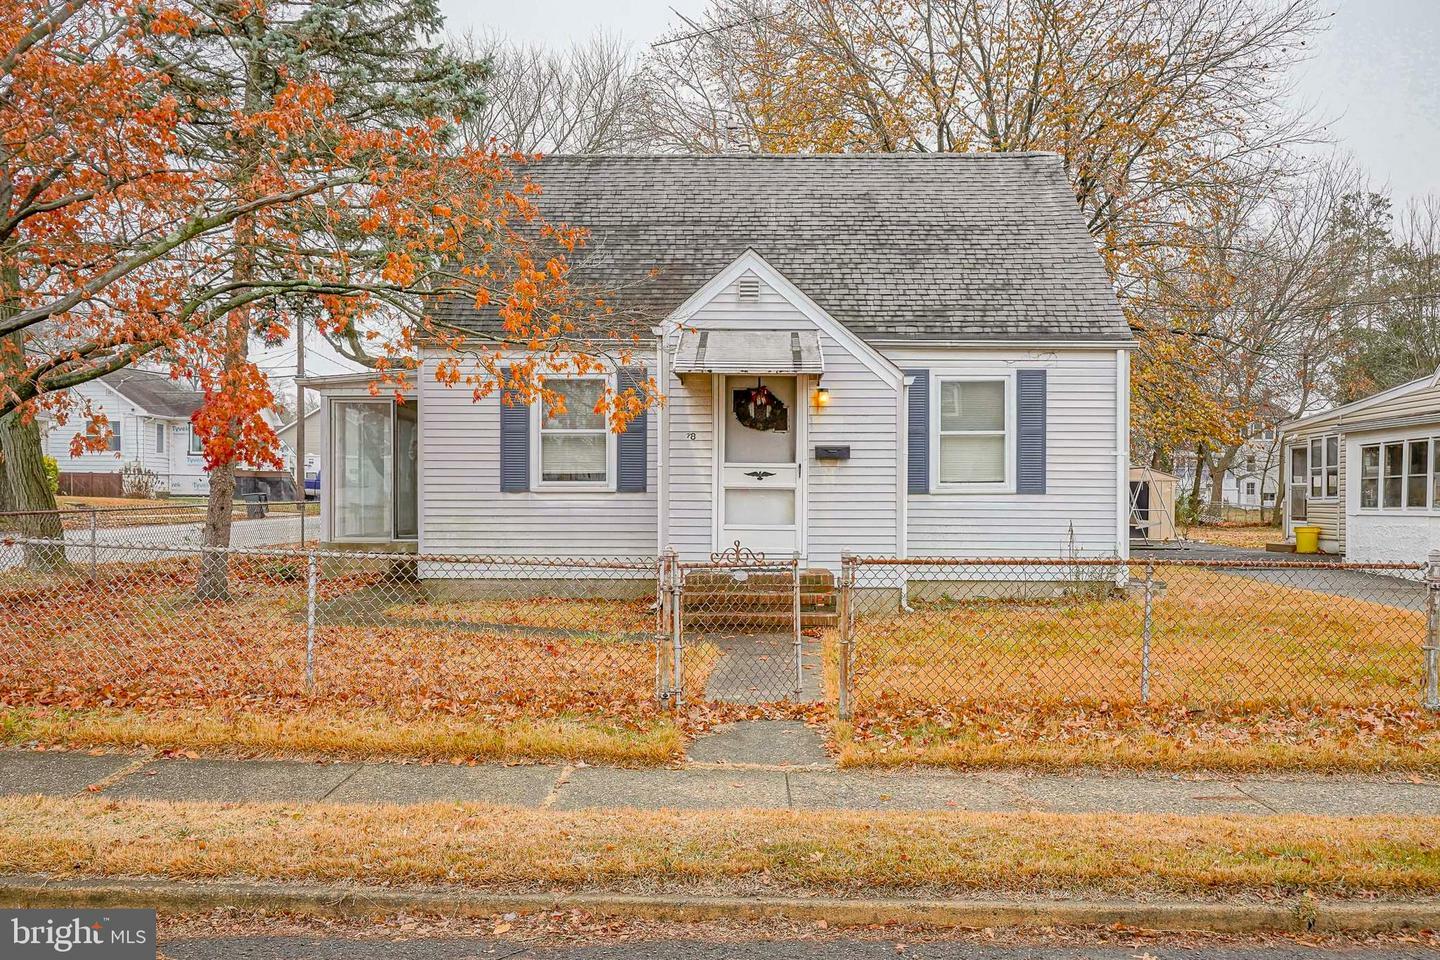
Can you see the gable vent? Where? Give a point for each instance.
(749, 288)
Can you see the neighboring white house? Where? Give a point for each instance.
(1253, 480)
(149, 416)
(904, 355)
(314, 443)
(1368, 474)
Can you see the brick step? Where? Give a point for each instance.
(722, 580)
(761, 601)
(778, 620)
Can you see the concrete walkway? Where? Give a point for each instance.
(704, 785)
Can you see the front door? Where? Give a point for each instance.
(1299, 483)
(761, 446)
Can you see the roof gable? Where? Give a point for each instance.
(752, 263)
(895, 247)
(155, 393)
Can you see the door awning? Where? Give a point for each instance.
(749, 351)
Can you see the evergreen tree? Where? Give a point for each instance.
(369, 64)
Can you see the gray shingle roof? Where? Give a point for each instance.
(894, 246)
(155, 393)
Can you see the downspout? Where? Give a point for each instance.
(662, 446)
(1122, 453)
(902, 459)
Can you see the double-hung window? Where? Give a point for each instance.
(113, 443)
(973, 433)
(575, 443)
(1392, 476)
(196, 447)
(160, 429)
(1325, 467)
(1370, 476)
(1417, 474)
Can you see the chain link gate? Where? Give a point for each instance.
(732, 629)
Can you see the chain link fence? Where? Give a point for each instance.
(158, 626)
(254, 523)
(935, 638)
(153, 623)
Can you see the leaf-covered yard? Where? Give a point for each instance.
(135, 658)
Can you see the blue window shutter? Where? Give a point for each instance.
(632, 447)
(1030, 422)
(514, 443)
(918, 433)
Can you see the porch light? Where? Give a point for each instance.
(822, 397)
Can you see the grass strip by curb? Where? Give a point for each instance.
(355, 735)
(355, 902)
(839, 853)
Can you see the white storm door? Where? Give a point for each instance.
(761, 491)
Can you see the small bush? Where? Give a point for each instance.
(136, 481)
(52, 475)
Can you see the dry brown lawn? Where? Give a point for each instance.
(324, 733)
(1218, 639)
(615, 617)
(1244, 674)
(860, 853)
(1246, 537)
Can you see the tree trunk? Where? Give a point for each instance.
(213, 582)
(29, 490)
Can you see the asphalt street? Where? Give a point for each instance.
(308, 948)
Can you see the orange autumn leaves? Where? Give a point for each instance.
(128, 240)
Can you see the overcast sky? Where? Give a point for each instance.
(1375, 74)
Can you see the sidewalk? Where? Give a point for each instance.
(728, 770)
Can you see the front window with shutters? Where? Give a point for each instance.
(574, 448)
(973, 432)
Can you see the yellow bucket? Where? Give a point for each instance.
(1307, 539)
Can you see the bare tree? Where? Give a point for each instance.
(1168, 114)
(1281, 275)
(577, 100)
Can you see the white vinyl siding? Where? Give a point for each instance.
(1083, 472)
(850, 505)
(463, 510)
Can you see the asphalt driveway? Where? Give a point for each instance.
(1404, 589)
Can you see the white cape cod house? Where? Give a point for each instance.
(903, 355)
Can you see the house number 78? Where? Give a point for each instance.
(690, 436)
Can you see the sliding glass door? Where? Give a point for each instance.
(364, 457)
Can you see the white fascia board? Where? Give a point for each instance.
(1100, 346)
(1339, 413)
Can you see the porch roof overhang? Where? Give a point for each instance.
(749, 351)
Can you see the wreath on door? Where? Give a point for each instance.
(759, 408)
